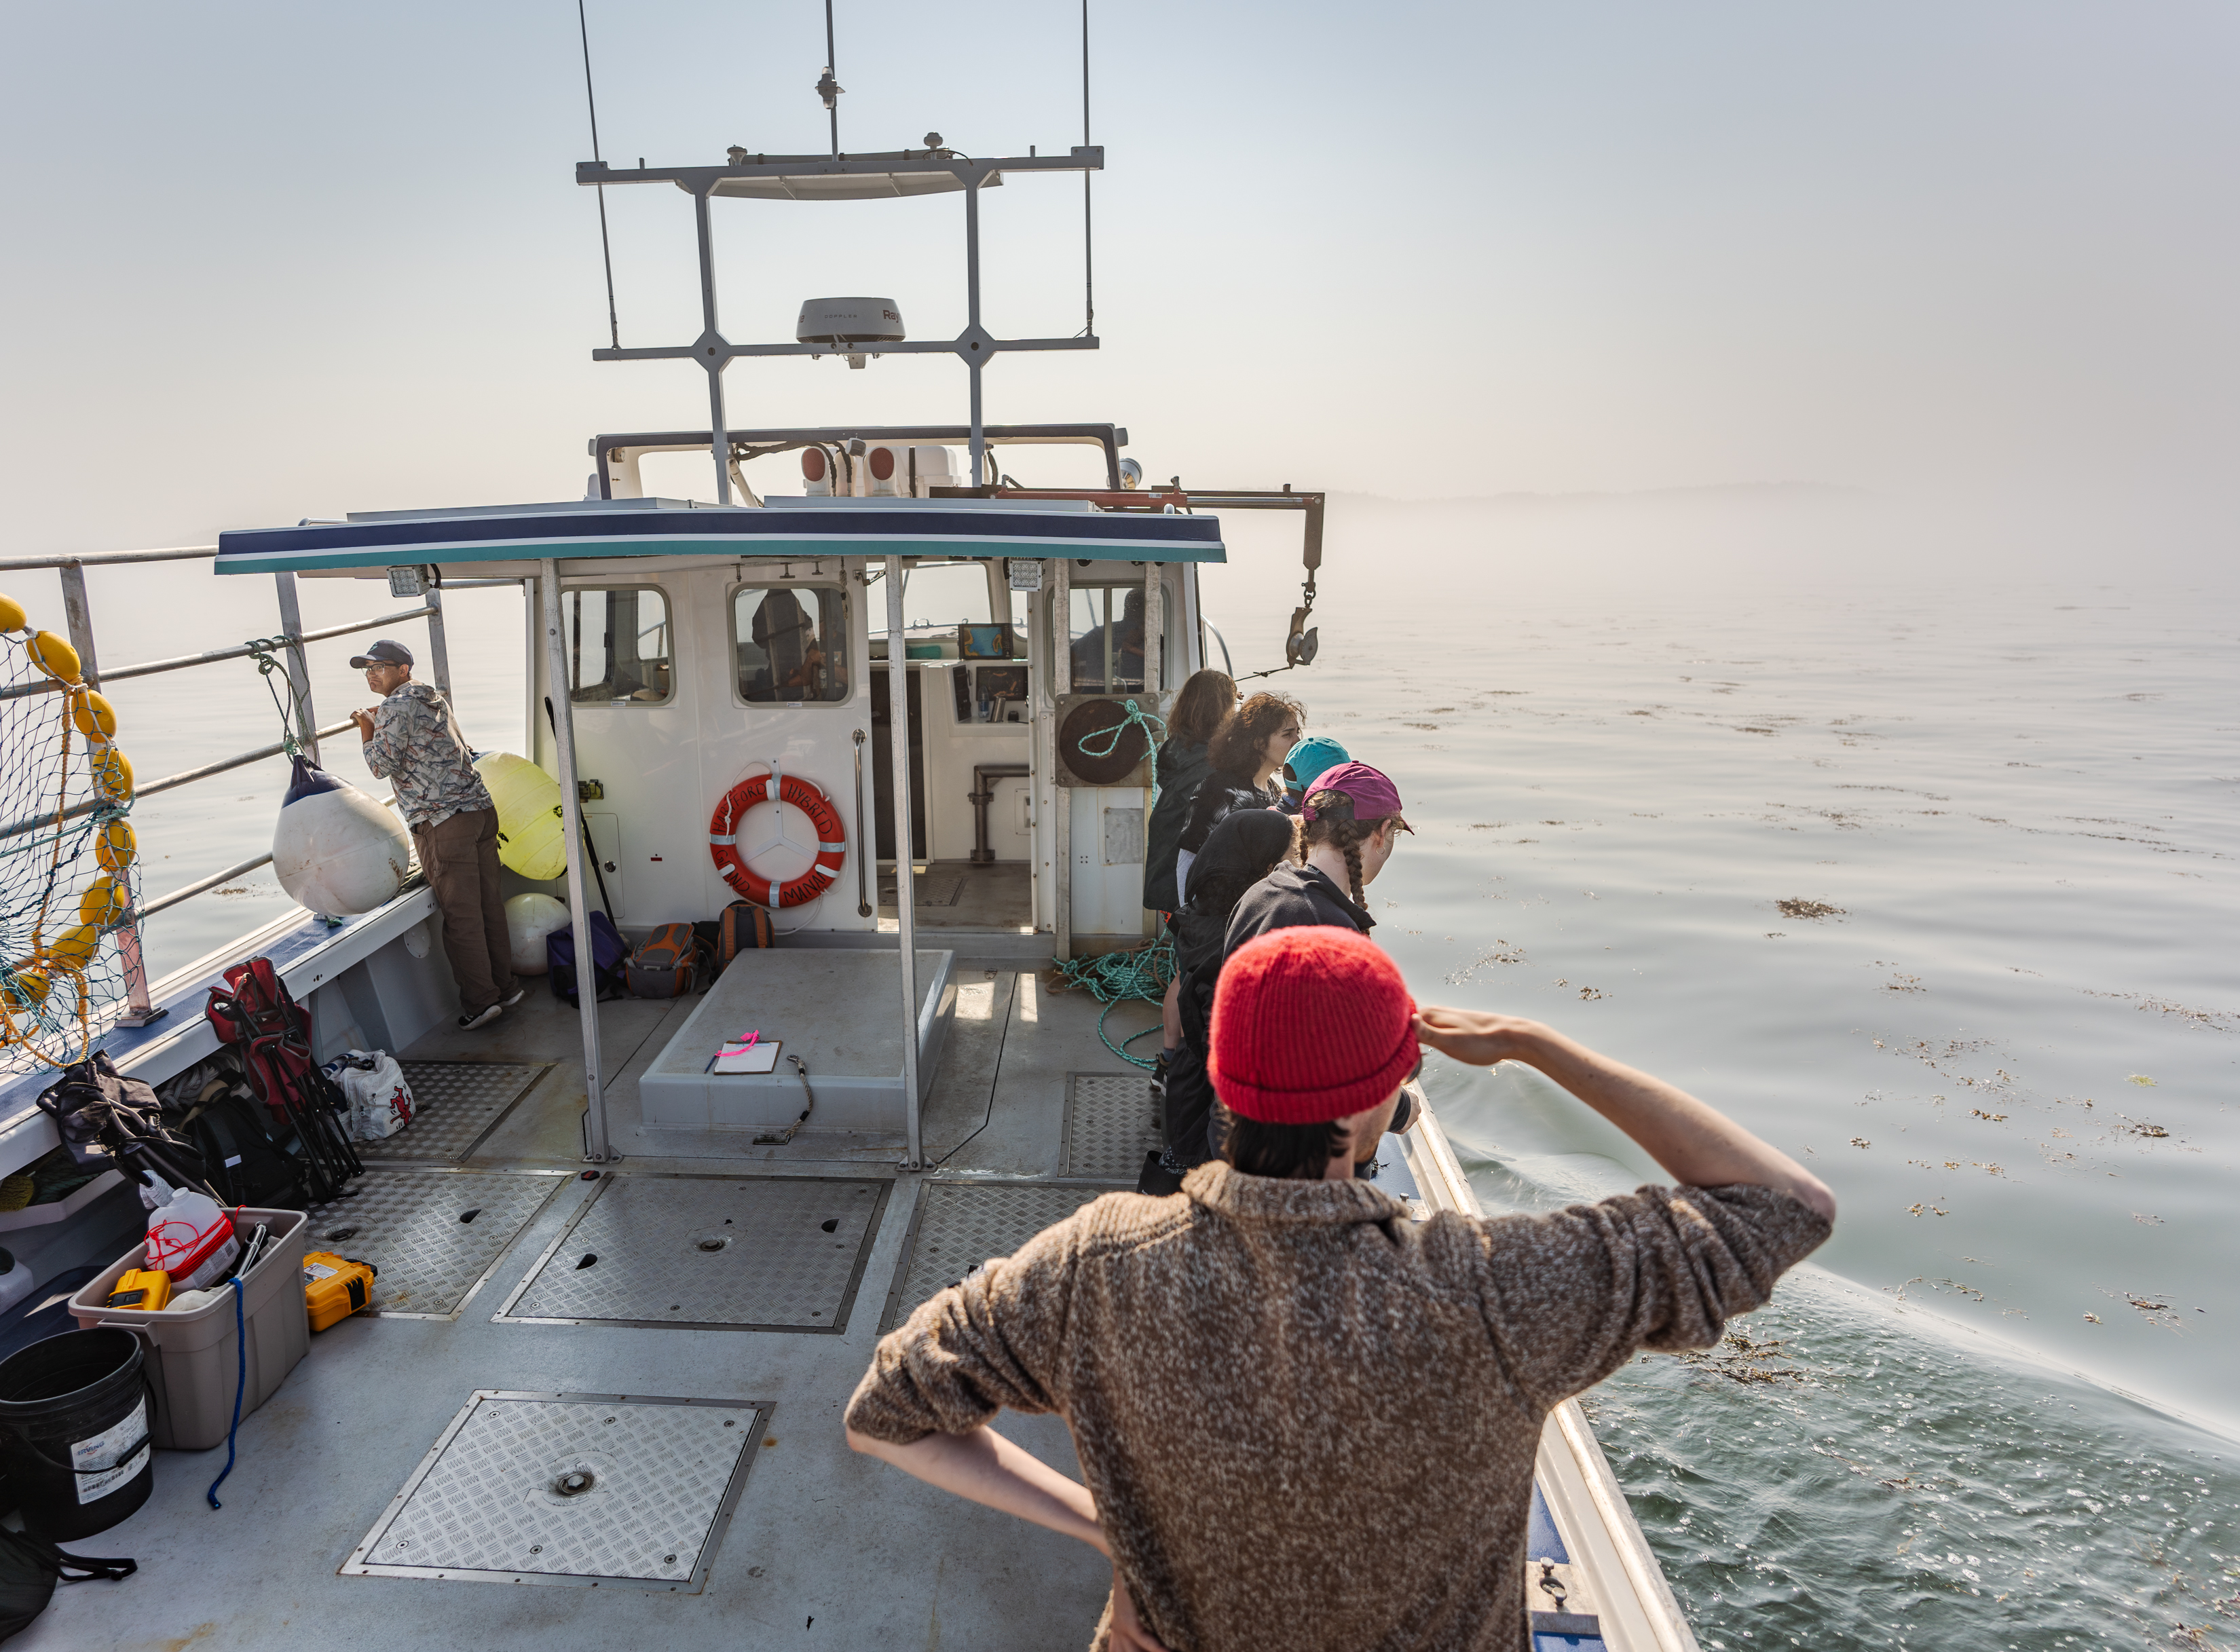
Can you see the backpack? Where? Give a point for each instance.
(742, 925)
(108, 1121)
(667, 963)
(255, 1012)
(210, 1106)
(29, 1567)
(609, 957)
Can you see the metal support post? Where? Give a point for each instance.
(78, 612)
(978, 341)
(1043, 783)
(1061, 678)
(714, 357)
(299, 669)
(1155, 631)
(439, 656)
(905, 899)
(596, 1150)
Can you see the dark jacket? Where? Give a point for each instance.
(1221, 795)
(1179, 770)
(1288, 898)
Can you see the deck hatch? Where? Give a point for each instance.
(959, 1224)
(407, 1224)
(581, 1488)
(456, 1105)
(707, 1253)
(1110, 1123)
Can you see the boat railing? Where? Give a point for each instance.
(291, 642)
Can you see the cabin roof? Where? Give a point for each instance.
(614, 528)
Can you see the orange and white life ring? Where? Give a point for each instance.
(774, 787)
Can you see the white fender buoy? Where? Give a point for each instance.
(528, 919)
(334, 850)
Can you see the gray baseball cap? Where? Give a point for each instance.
(381, 653)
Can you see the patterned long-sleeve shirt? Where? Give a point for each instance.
(1308, 1422)
(417, 745)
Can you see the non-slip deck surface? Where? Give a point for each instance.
(569, 1489)
(455, 1104)
(432, 1235)
(766, 1253)
(1110, 1123)
(961, 1224)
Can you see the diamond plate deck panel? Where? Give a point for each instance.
(960, 1224)
(710, 1253)
(569, 1489)
(1110, 1120)
(407, 1224)
(455, 1105)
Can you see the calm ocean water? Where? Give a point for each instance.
(1922, 868)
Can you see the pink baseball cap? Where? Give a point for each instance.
(1374, 796)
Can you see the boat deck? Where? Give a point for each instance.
(820, 1543)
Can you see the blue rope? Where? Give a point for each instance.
(240, 1382)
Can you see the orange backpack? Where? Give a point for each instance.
(667, 964)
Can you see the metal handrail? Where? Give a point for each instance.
(98, 558)
(152, 667)
(33, 822)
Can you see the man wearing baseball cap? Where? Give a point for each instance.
(1306, 1422)
(412, 740)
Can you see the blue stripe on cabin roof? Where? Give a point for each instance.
(1095, 536)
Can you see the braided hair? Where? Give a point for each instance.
(1333, 823)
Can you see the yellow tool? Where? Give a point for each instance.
(147, 1288)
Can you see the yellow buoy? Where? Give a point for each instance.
(54, 657)
(104, 901)
(74, 947)
(12, 618)
(530, 838)
(94, 716)
(115, 846)
(27, 987)
(112, 774)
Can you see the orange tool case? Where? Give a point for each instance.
(334, 1287)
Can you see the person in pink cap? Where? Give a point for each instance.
(1350, 823)
(1306, 1422)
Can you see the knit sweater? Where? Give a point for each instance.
(1308, 1422)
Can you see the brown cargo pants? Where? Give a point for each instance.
(460, 856)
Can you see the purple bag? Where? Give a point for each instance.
(609, 960)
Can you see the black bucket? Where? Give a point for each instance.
(77, 1403)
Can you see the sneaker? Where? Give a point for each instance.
(1159, 1073)
(468, 1022)
(519, 993)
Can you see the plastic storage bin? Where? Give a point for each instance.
(192, 1363)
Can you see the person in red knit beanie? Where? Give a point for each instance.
(1313, 1031)
(1307, 1417)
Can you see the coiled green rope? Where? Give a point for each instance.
(1115, 978)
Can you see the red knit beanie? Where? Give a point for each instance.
(1310, 1024)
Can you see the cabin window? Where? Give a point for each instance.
(1105, 629)
(621, 650)
(792, 643)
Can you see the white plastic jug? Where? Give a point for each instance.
(189, 1237)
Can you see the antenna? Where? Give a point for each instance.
(828, 88)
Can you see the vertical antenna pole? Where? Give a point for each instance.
(595, 1150)
(1087, 231)
(906, 898)
(832, 69)
(973, 362)
(719, 443)
(606, 252)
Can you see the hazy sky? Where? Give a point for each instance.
(271, 260)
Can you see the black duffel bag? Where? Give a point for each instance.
(29, 1568)
(109, 1122)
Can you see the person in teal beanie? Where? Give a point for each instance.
(1312, 757)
